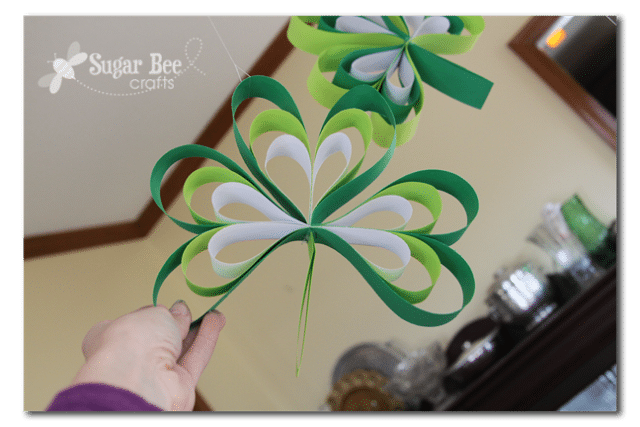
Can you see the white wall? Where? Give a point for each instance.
(92, 143)
(523, 149)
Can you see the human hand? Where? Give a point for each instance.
(152, 353)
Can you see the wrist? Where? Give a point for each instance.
(125, 370)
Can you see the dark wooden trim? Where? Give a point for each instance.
(53, 243)
(66, 241)
(558, 360)
(587, 107)
(201, 404)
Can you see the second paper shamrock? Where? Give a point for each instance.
(394, 55)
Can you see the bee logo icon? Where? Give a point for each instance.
(63, 68)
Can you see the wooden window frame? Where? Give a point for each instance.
(585, 105)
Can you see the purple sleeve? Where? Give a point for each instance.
(99, 397)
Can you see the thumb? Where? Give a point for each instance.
(196, 357)
(92, 340)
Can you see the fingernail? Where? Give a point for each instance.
(179, 307)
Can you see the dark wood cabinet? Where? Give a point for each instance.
(565, 354)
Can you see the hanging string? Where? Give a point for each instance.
(227, 50)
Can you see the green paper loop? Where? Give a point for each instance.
(449, 78)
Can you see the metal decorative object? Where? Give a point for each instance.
(362, 390)
(521, 296)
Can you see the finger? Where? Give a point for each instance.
(188, 341)
(182, 315)
(91, 341)
(191, 337)
(198, 355)
(148, 306)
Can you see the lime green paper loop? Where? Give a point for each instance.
(455, 186)
(419, 192)
(323, 90)
(277, 120)
(425, 256)
(226, 289)
(197, 246)
(342, 120)
(352, 117)
(384, 132)
(312, 40)
(429, 260)
(208, 175)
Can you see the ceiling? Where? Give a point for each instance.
(90, 147)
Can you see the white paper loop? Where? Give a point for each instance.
(335, 143)
(292, 147)
(265, 230)
(378, 20)
(380, 239)
(235, 192)
(369, 68)
(356, 24)
(397, 94)
(431, 25)
(388, 203)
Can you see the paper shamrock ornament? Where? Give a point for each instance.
(287, 223)
(394, 55)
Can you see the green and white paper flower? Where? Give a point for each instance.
(287, 223)
(392, 54)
